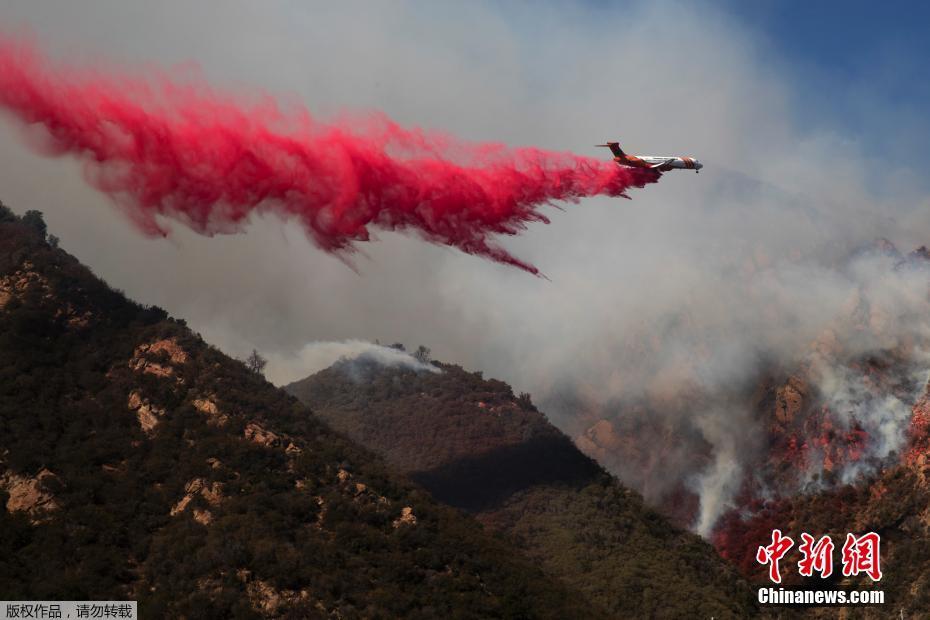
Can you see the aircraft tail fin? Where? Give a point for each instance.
(614, 148)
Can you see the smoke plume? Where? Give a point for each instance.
(177, 150)
(316, 356)
(784, 398)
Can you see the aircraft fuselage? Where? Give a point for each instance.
(659, 163)
(652, 162)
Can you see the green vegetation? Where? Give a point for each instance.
(35, 220)
(475, 445)
(283, 516)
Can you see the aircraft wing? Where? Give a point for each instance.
(662, 163)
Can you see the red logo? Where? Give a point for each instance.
(860, 554)
(773, 553)
(817, 557)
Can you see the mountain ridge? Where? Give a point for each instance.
(136, 461)
(475, 445)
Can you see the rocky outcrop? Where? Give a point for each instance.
(29, 494)
(27, 279)
(269, 601)
(212, 493)
(209, 408)
(406, 518)
(74, 317)
(22, 280)
(158, 358)
(146, 413)
(256, 433)
(176, 354)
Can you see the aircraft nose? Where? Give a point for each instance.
(698, 165)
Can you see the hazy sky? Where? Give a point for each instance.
(794, 177)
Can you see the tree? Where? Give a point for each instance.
(53, 240)
(422, 354)
(35, 220)
(255, 362)
(6, 214)
(525, 402)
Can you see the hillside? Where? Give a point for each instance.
(831, 410)
(895, 504)
(138, 462)
(475, 445)
(835, 440)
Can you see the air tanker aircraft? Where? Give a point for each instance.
(662, 164)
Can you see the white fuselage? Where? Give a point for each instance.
(652, 162)
(685, 163)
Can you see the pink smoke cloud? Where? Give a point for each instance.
(166, 149)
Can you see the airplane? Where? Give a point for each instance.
(661, 164)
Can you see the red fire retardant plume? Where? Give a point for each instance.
(176, 150)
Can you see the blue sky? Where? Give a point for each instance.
(848, 40)
(858, 69)
(862, 66)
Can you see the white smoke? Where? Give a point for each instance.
(315, 356)
(882, 411)
(717, 484)
(692, 369)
